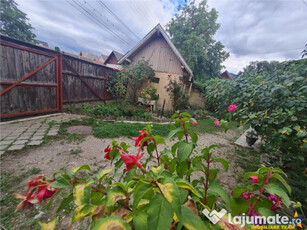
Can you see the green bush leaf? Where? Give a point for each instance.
(238, 206)
(266, 212)
(82, 211)
(140, 191)
(174, 132)
(73, 171)
(102, 173)
(238, 190)
(65, 202)
(60, 182)
(186, 185)
(194, 137)
(49, 226)
(82, 194)
(213, 174)
(282, 180)
(190, 221)
(214, 187)
(115, 195)
(160, 213)
(184, 150)
(277, 190)
(111, 222)
(223, 162)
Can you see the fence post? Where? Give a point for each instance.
(105, 87)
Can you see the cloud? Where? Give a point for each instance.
(250, 29)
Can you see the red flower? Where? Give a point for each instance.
(254, 179)
(123, 69)
(140, 138)
(114, 68)
(194, 123)
(116, 83)
(169, 75)
(132, 108)
(246, 195)
(131, 160)
(232, 108)
(107, 150)
(185, 91)
(181, 84)
(28, 200)
(45, 192)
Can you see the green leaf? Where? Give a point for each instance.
(186, 185)
(249, 174)
(82, 194)
(194, 169)
(173, 132)
(214, 187)
(156, 170)
(82, 211)
(141, 190)
(60, 182)
(182, 168)
(159, 140)
(65, 202)
(238, 190)
(184, 150)
(115, 195)
(73, 171)
(213, 174)
(150, 148)
(282, 180)
(140, 217)
(49, 226)
(266, 212)
(277, 190)
(190, 221)
(278, 170)
(160, 213)
(171, 192)
(102, 173)
(223, 162)
(111, 222)
(194, 137)
(238, 206)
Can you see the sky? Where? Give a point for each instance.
(250, 30)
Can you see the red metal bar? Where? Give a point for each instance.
(28, 112)
(27, 76)
(26, 49)
(61, 82)
(57, 81)
(83, 80)
(28, 84)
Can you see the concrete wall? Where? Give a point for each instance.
(196, 99)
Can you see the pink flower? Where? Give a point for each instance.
(254, 179)
(107, 150)
(194, 123)
(246, 195)
(116, 83)
(276, 200)
(232, 108)
(217, 123)
(131, 160)
(123, 69)
(215, 91)
(114, 68)
(139, 139)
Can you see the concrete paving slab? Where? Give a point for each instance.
(36, 142)
(3, 147)
(16, 147)
(20, 142)
(10, 138)
(37, 138)
(5, 142)
(1, 152)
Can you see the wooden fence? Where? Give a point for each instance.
(35, 79)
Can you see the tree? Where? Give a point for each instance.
(192, 31)
(13, 22)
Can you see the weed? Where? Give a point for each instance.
(75, 138)
(34, 171)
(75, 151)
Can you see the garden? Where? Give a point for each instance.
(170, 175)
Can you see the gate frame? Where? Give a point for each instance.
(19, 82)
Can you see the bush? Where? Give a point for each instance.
(274, 104)
(179, 96)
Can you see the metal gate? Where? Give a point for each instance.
(33, 85)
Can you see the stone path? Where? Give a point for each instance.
(32, 131)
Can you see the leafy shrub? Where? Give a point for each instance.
(179, 96)
(274, 104)
(155, 191)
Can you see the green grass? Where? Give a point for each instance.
(121, 129)
(10, 184)
(207, 126)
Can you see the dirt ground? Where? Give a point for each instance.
(61, 155)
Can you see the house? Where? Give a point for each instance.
(227, 75)
(158, 50)
(112, 59)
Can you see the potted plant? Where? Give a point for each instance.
(251, 137)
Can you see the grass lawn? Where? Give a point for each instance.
(207, 126)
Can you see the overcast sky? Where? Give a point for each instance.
(250, 29)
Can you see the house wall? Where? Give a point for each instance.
(159, 55)
(112, 60)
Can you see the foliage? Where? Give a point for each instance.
(192, 31)
(117, 110)
(13, 22)
(155, 191)
(178, 95)
(273, 102)
(150, 93)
